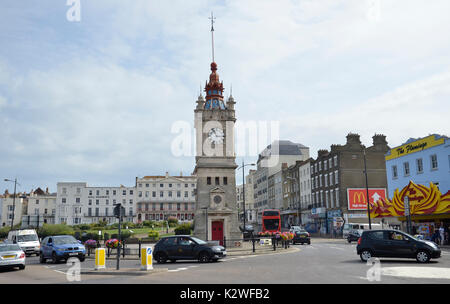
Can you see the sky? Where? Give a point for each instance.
(90, 90)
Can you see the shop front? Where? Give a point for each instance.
(335, 222)
(428, 207)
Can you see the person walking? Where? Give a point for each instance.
(442, 234)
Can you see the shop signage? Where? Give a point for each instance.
(415, 146)
(357, 197)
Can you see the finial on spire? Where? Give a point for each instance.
(212, 34)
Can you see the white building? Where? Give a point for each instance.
(161, 197)
(11, 208)
(76, 203)
(41, 209)
(304, 172)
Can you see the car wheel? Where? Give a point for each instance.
(365, 255)
(172, 261)
(82, 259)
(349, 241)
(423, 256)
(21, 267)
(41, 259)
(161, 258)
(55, 259)
(204, 257)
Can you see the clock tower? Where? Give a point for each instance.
(216, 213)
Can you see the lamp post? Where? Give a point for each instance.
(367, 187)
(14, 199)
(243, 189)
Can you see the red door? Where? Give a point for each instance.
(217, 231)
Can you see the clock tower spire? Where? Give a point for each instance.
(216, 214)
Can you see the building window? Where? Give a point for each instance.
(225, 180)
(63, 200)
(161, 206)
(178, 193)
(419, 165)
(186, 193)
(217, 181)
(170, 193)
(98, 192)
(394, 172)
(208, 180)
(90, 192)
(434, 162)
(124, 192)
(406, 168)
(161, 193)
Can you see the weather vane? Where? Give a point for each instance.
(212, 34)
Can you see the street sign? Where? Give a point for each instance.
(100, 258)
(146, 258)
(407, 206)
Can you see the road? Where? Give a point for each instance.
(324, 261)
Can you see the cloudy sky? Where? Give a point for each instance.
(95, 100)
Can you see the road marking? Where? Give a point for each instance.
(417, 272)
(336, 248)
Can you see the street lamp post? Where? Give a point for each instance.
(367, 188)
(243, 189)
(14, 199)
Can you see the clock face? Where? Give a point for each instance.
(216, 135)
(217, 199)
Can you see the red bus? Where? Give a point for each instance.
(271, 220)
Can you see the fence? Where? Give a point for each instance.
(251, 244)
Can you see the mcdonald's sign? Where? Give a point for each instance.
(357, 197)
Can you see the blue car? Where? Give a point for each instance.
(61, 247)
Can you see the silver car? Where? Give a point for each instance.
(12, 256)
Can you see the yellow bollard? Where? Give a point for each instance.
(146, 258)
(100, 258)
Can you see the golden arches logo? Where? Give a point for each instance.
(360, 196)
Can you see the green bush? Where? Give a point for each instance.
(173, 221)
(124, 235)
(4, 232)
(184, 228)
(153, 234)
(55, 229)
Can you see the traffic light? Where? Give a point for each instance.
(119, 211)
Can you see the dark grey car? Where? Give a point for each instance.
(395, 244)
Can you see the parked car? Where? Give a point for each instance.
(27, 239)
(11, 255)
(353, 236)
(184, 247)
(301, 236)
(61, 247)
(395, 244)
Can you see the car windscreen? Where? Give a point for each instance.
(63, 240)
(12, 247)
(271, 224)
(199, 241)
(27, 238)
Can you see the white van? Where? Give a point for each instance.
(360, 227)
(27, 239)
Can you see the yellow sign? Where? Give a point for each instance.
(146, 258)
(100, 258)
(415, 146)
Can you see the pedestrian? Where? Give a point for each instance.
(442, 234)
(435, 237)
